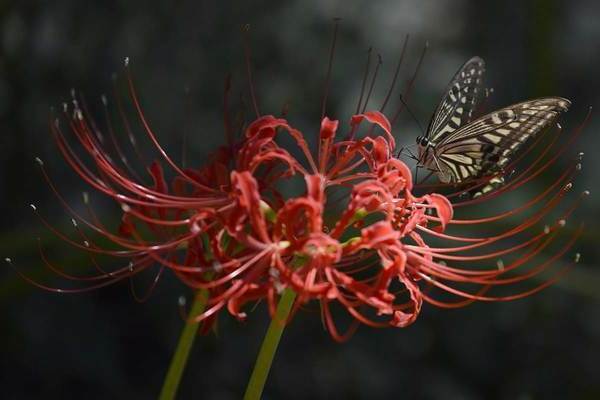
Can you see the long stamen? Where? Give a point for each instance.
(248, 62)
(396, 72)
(329, 67)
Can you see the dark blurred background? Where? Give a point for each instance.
(103, 344)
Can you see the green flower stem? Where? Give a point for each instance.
(186, 340)
(269, 346)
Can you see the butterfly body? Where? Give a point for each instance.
(458, 149)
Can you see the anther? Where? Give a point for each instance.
(562, 222)
(86, 197)
(33, 207)
(130, 266)
(74, 222)
(586, 193)
(500, 264)
(86, 243)
(181, 301)
(125, 208)
(217, 266)
(104, 99)
(577, 257)
(274, 273)
(39, 161)
(568, 187)
(546, 229)
(8, 260)
(126, 61)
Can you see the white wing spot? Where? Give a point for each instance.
(492, 138)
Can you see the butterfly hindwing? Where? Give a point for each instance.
(459, 100)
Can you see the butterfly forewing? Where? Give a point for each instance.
(488, 143)
(459, 100)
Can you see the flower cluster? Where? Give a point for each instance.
(360, 237)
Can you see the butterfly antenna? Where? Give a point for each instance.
(409, 85)
(412, 116)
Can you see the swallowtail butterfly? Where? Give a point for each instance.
(459, 149)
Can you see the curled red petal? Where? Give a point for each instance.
(379, 233)
(328, 128)
(401, 318)
(298, 218)
(381, 150)
(323, 249)
(395, 175)
(377, 118)
(248, 199)
(442, 206)
(264, 126)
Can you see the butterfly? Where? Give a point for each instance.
(458, 149)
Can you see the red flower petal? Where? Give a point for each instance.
(265, 126)
(442, 206)
(379, 233)
(328, 128)
(375, 117)
(248, 200)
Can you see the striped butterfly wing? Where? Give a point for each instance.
(487, 144)
(459, 100)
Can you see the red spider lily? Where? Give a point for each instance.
(379, 238)
(362, 238)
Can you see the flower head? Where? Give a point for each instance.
(363, 236)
